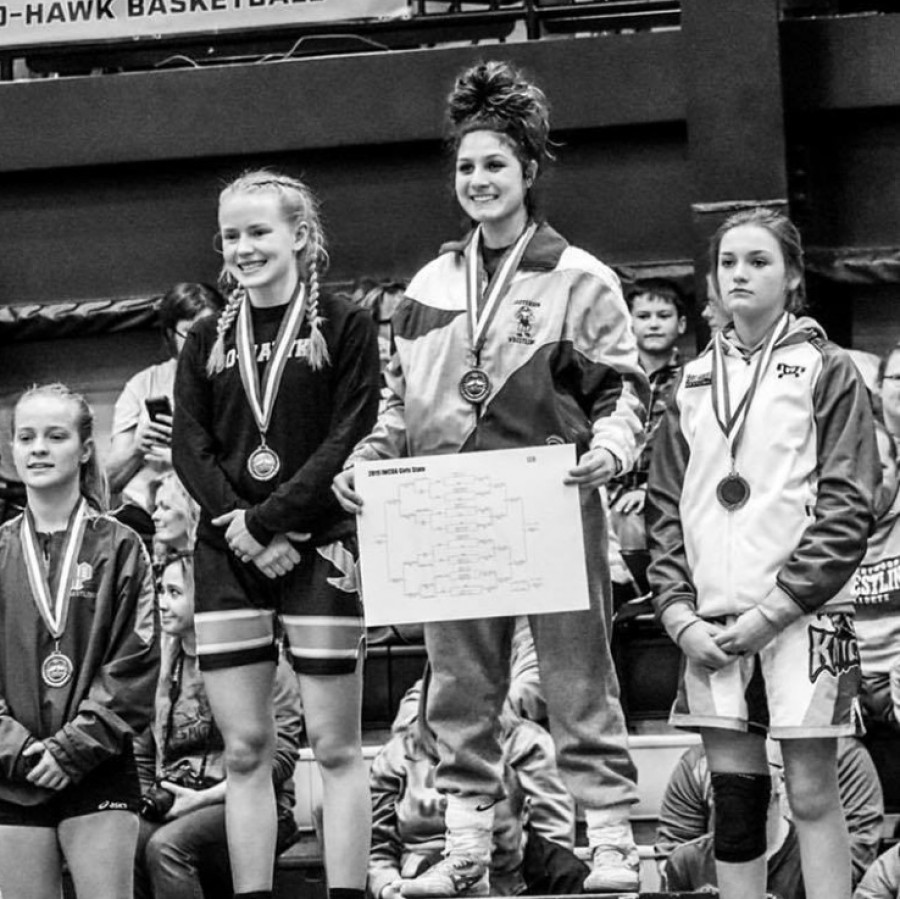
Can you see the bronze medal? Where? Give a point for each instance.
(475, 386)
(732, 492)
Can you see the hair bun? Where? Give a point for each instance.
(495, 96)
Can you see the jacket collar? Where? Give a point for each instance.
(542, 253)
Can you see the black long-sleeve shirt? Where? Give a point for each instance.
(318, 418)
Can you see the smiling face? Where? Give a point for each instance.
(48, 451)
(176, 601)
(656, 323)
(259, 243)
(491, 185)
(171, 524)
(751, 274)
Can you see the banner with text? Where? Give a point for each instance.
(25, 23)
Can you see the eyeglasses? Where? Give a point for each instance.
(890, 377)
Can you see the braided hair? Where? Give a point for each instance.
(496, 96)
(299, 205)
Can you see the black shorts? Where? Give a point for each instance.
(317, 604)
(112, 786)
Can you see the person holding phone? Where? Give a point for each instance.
(140, 452)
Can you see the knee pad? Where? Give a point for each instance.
(742, 804)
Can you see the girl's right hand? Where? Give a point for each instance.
(343, 487)
(279, 557)
(698, 643)
(46, 773)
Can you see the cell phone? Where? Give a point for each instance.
(158, 405)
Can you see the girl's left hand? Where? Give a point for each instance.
(46, 773)
(240, 541)
(747, 635)
(594, 469)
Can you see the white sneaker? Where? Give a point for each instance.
(615, 868)
(455, 875)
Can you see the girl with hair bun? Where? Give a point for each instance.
(550, 358)
(759, 505)
(270, 398)
(78, 663)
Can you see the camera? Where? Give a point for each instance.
(157, 801)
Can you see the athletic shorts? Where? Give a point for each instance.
(804, 683)
(112, 786)
(317, 606)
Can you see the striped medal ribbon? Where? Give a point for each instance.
(57, 669)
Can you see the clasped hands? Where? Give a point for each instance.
(715, 645)
(274, 560)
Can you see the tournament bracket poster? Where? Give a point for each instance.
(470, 535)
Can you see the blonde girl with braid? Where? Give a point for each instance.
(270, 398)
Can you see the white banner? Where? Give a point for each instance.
(470, 535)
(34, 22)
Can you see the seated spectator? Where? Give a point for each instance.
(140, 451)
(534, 825)
(182, 851)
(691, 867)
(687, 808)
(882, 880)
(658, 317)
(877, 591)
(175, 518)
(381, 299)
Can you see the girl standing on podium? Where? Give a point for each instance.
(78, 663)
(511, 338)
(760, 502)
(269, 399)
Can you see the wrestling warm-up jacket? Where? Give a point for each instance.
(317, 419)
(560, 355)
(808, 453)
(110, 638)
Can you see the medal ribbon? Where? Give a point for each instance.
(54, 611)
(732, 424)
(479, 324)
(262, 402)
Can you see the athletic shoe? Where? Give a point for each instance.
(455, 875)
(614, 869)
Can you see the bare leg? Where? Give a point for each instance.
(241, 702)
(99, 849)
(810, 772)
(736, 752)
(333, 723)
(30, 862)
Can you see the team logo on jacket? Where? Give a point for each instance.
(703, 380)
(789, 371)
(832, 651)
(524, 318)
(83, 573)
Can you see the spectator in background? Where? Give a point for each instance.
(877, 591)
(658, 318)
(182, 850)
(889, 388)
(691, 866)
(882, 880)
(687, 810)
(140, 450)
(713, 311)
(381, 299)
(175, 518)
(408, 832)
